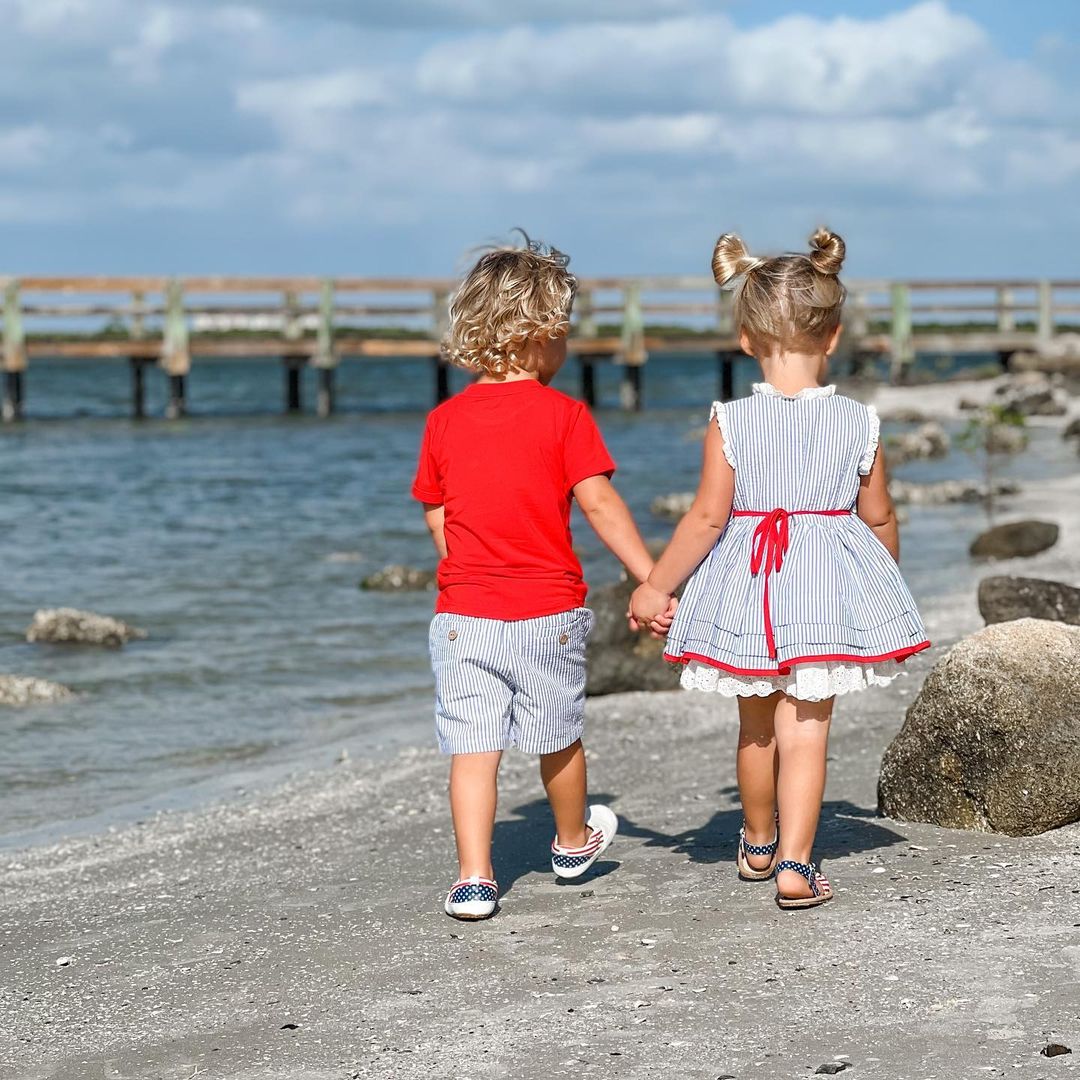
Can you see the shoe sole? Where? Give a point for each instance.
(471, 915)
(610, 825)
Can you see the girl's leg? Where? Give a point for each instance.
(755, 767)
(564, 777)
(473, 795)
(802, 737)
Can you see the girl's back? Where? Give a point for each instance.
(805, 452)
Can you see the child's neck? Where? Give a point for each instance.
(511, 376)
(791, 372)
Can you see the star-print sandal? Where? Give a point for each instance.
(472, 898)
(573, 862)
(819, 886)
(752, 873)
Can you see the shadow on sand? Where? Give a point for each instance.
(522, 844)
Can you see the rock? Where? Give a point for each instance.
(929, 440)
(69, 626)
(1054, 1050)
(904, 416)
(946, 491)
(672, 507)
(1072, 429)
(831, 1068)
(1032, 393)
(1003, 599)
(1005, 439)
(619, 660)
(26, 690)
(992, 741)
(399, 579)
(1015, 539)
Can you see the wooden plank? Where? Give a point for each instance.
(94, 284)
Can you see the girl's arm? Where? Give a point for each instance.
(875, 506)
(611, 521)
(434, 518)
(696, 533)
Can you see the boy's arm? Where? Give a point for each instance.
(435, 518)
(610, 519)
(696, 533)
(875, 506)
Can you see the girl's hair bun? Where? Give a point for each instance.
(731, 259)
(826, 251)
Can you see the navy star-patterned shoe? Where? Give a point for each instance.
(752, 873)
(573, 862)
(820, 889)
(472, 898)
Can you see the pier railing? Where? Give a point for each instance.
(167, 323)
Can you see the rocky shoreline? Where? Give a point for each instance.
(297, 932)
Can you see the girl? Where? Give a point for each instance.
(791, 547)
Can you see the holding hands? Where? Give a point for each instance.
(652, 610)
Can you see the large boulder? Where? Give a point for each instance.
(619, 661)
(992, 742)
(26, 690)
(929, 440)
(1032, 393)
(1015, 539)
(1002, 599)
(399, 579)
(69, 626)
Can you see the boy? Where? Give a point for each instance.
(499, 465)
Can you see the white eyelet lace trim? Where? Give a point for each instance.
(867, 462)
(807, 394)
(807, 682)
(719, 414)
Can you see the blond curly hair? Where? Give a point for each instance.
(791, 301)
(510, 297)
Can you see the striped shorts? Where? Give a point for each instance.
(500, 684)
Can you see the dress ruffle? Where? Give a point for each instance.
(807, 682)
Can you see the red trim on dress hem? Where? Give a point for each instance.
(900, 655)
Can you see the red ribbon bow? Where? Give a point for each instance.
(768, 548)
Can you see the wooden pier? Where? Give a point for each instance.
(167, 324)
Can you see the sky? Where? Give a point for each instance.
(390, 137)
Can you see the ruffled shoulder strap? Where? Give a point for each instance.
(718, 412)
(866, 463)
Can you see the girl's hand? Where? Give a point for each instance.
(649, 605)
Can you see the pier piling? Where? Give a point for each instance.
(13, 395)
(294, 368)
(726, 373)
(138, 387)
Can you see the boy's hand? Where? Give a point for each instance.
(650, 608)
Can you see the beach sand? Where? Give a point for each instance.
(298, 932)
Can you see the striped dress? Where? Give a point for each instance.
(798, 594)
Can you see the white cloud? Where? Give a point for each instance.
(579, 115)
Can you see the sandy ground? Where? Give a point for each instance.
(298, 933)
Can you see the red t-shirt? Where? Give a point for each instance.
(502, 459)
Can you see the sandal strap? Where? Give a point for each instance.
(806, 870)
(758, 849)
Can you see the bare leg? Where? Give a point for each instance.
(473, 795)
(755, 766)
(802, 738)
(564, 777)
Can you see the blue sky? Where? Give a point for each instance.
(941, 137)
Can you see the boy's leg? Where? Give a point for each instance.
(802, 737)
(565, 780)
(473, 796)
(756, 764)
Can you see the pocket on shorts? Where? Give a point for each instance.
(442, 635)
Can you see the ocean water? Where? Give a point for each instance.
(237, 538)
